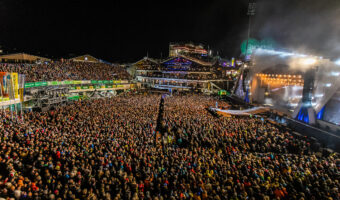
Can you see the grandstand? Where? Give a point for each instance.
(183, 73)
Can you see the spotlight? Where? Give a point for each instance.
(337, 62)
(309, 61)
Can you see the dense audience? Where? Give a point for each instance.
(67, 70)
(108, 149)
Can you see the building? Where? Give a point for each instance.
(22, 58)
(176, 49)
(182, 73)
(85, 58)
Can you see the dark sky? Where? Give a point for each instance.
(120, 30)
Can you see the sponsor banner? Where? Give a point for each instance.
(103, 86)
(77, 82)
(29, 85)
(97, 86)
(73, 98)
(108, 86)
(120, 86)
(72, 88)
(86, 82)
(68, 82)
(40, 84)
(85, 87)
(54, 83)
(91, 87)
(5, 99)
(78, 87)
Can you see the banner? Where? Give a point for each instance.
(67, 82)
(77, 82)
(40, 84)
(21, 87)
(15, 80)
(86, 82)
(73, 98)
(3, 86)
(54, 83)
(28, 85)
(10, 86)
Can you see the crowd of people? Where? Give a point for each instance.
(110, 149)
(67, 70)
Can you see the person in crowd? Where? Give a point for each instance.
(106, 149)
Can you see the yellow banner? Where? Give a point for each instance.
(14, 76)
(21, 92)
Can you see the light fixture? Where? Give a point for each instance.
(309, 61)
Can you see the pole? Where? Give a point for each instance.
(11, 94)
(251, 11)
(249, 22)
(22, 116)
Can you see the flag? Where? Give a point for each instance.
(21, 87)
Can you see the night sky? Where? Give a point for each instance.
(120, 30)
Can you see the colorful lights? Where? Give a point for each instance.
(281, 79)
